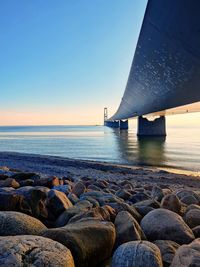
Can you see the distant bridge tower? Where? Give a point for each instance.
(105, 114)
(122, 125)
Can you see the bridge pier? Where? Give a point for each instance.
(123, 125)
(112, 124)
(151, 128)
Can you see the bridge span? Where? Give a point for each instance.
(164, 77)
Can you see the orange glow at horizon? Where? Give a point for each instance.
(52, 117)
(83, 116)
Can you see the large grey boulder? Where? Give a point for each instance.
(187, 255)
(90, 241)
(168, 249)
(137, 254)
(16, 223)
(34, 251)
(163, 224)
(127, 228)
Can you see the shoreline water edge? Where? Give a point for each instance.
(63, 212)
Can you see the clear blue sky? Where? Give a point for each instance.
(62, 61)
(66, 58)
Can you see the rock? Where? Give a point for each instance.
(38, 202)
(107, 198)
(28, 182)
(125, 207)
(7, 189)
(58, 202)
(139, 197)
(94, 188)
(94, 194)
(196, 231)
(35, 251)
(106, 263)
(78, 189)
(127, 228)
(137, 254)
(192, 217)
(113, 187)
(188, 197)
(168, 249)
(143, 210)
(90, 242)
(84, 204)
(187, 255)
(188, 200)
(148, 203)
(9, 200)
(16, 223)
(163, 224)
(25, 191)
(19, 176)
(171, 202)
(96, 213)
(124, 194)
(64, 217)
(111, 211)
(102, 184)
(62, 188)
(191, 207)
(36, 197)
(3, 176)
(166, 191)
(73, 198)
(157, 193)
(128, 186)
(49, 182)
(53, 181)
(9, 182)
(93, 201)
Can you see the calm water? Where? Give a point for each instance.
(180, 149)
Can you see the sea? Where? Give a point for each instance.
(180, 150)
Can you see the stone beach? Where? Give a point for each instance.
(65, 212)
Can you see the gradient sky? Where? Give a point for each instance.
(62, 61)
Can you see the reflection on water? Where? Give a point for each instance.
(180, 149)
(151, 150)
(140, 150)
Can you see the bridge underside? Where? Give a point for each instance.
(165, 72)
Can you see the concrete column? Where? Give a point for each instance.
(151, 128)
(112, 124)
(123, 125)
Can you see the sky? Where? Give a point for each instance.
(62, 62)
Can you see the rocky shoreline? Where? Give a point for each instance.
(64, 212)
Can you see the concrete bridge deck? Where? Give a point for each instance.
(165, 72)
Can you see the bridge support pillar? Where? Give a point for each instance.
(112, 124)
(123, 125)
(151, 128)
